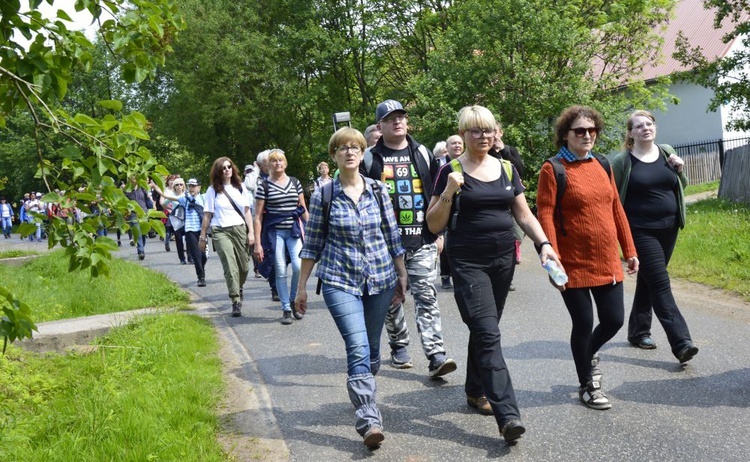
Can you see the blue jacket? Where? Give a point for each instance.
(268, 236)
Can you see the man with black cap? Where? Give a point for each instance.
(404, 166)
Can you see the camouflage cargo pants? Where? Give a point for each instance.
(421, 266)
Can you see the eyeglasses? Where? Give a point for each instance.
(179, 184)
(394, 118)
(477, 133)
(581, 131)
(345, 149)
(226, 167)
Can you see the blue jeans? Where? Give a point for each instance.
(359, 320)
(140, 238)
(284, 242)
(7, 225)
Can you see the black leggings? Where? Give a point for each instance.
(584, 342)
(653, 289)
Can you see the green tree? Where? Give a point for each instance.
(82, 157)
(728, 77)
(526, 60)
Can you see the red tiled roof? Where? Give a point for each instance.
(697, 24)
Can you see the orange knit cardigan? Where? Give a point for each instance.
(595, 223)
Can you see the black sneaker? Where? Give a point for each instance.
(119, 243)
(236, 309)
(297, 314)
(141, 256)
(592, 396)
(440, 365)
(687, 353)
(201, 282)
(596, 373)
(286, 319)
(400, 358)
(512, 430)
(275, 295)
(132, 243)
(166, 246)
(446, 282)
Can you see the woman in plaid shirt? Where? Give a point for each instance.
(360, 256)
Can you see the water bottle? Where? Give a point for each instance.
(557, 275)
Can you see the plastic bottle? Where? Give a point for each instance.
(557, 275)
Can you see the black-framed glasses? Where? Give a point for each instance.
(478, 133)
(226, 167)
(345, 149)
(580, 132)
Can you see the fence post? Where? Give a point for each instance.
(721, 155)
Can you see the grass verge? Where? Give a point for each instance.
(699, 188)
(713, 248)
(149, 392)
(53, 293)
(16, 253)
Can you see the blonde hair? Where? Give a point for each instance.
(475, 117)
(277, 154)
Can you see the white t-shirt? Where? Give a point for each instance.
(224, 215)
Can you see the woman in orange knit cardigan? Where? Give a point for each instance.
(585, 231)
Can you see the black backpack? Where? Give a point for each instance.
(562, 183)
(326, 196)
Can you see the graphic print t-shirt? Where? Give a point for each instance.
(407, 195)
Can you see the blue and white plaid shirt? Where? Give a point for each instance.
(356, 254)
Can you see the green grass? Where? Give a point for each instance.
(45, 284)
(16, 253)
(714, 247)
(699, 188)
(149, 393)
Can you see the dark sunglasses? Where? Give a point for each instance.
(226, 167)
(580, 132)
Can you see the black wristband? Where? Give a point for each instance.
(542, 244)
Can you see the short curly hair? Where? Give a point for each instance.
(568, 116)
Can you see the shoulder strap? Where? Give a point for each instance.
(425, 153)
(508, 167)
(604, 163)
(326, 196)
(561, 180)
(456, 206)
(367, 160)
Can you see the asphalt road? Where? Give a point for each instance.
(661, 410)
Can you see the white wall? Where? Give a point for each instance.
(688, 121)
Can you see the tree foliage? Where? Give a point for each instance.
(728, 77)
(250, 76)
(81, 156)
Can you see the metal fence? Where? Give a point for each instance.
(704, 161)
(728, 160)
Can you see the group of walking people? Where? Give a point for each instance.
(377, 227)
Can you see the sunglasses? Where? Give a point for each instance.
(226, 167)
(580, 132)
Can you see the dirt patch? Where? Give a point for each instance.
(237, 417)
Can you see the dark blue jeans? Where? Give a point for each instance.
(653, 289)
(585, 340)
